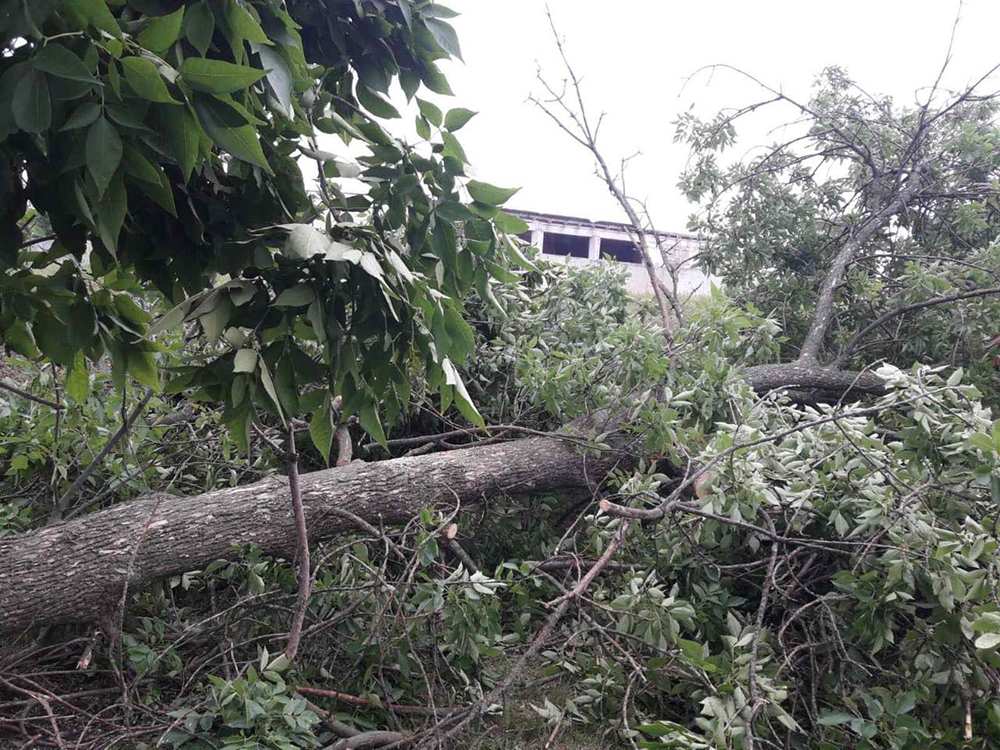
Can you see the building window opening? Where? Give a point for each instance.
(526, 236)
(565, 244)
(620, 250)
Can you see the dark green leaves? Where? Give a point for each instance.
(97, 14)
(104, 152)
(59, 61)
(162, 31)
(82, 116)
(489, 194)
(217, 76)
(181, 135)
(200, 26)
(145, 80)
(31, 105)
(321, 429)
(223, 125)
(375, 104)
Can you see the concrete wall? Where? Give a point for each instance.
(682, 247)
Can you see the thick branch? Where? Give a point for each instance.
(932, 302)
(825, 304)
(76, 570)
(801, 376)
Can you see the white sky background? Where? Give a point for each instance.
(635, 57)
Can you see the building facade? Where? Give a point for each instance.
(581, 241)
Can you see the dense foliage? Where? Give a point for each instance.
(801, 572)
(162, 142)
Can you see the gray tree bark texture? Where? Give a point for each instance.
(79, 571)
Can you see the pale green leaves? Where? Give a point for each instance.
(104, 152)
(145, 80)
(279, 77)
(78, 379)
(489, 194)
(457, 117)
(217, 76)
(305, 241)
(455, 388)
(245, 361)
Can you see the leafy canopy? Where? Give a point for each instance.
(163, 143)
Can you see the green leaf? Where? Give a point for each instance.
(200, 26)
(305, 241)
(834, 718)
(375, 104)
(111, 214)
(145, 80)
(295, 296)
(8, 84)
(371, 424)
(142, 367)
(444, 34)
(279, 77)
(435, 80)
(78, 379)
(181, 135)
(453, 148)
(453, 211)
(244, 27)
(97, 14)
(321, 429)
(423, 127)
(988, 641)
(31, 104)
(162, 31)
(104, 152)
(457, 117)
(57, 60)
(509, 224)
(490, 194)
(284, 383)
(139, 167)
(462, 399)
(265, 379)
(82, 116)
(238, 140)
(430, 111)
(217, 76)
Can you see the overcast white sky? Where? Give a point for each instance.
(635, 56)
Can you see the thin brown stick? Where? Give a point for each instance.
(304, 571)
(355, 700)
(24, 394)
(60, 507)
(932, 302)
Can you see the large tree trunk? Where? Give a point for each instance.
(78, 571)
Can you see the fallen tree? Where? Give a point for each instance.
(79, 571)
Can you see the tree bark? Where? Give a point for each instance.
(77, 571)
(808, 377)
